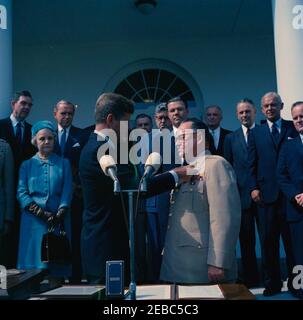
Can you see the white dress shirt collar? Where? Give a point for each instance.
(60, 129)
(60, 132)
(15, 121)
(278, 123)
(244, 129)
(216, 135)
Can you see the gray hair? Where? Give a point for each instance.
(272, 94)
(214, 106)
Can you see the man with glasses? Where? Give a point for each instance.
(17, 132)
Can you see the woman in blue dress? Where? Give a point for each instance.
(44, 193)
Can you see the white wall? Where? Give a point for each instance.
(226, 69)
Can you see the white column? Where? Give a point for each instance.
(6, 77)
(288, 33)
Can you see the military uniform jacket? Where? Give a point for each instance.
(203, 226)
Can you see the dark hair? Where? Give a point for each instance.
(112, 103)
(19, 94)
(64, 102)
(143, 115)
(177, 99)
(246, 100)
(297, 103)
(197, 124)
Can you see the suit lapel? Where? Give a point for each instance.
(283, 131)
(267, 134)
(11, 135)
(298, 144)
(27, 133)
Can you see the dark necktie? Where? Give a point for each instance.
(62, 142)
(275, 133)
(19, 133)
(248, 136)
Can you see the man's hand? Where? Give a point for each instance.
(182, 173)
(299, 199)
(256, 196)
(215, 274)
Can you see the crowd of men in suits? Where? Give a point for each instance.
(266, 160)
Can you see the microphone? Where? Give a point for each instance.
(152, 165)
(108, 166)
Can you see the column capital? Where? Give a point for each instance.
(288, 36)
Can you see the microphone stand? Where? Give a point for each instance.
(132, 286)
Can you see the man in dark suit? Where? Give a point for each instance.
(290, 178)
(69, 145)
(17, 132)
(213, 118)
(236, 152)
(105, 228)
(264, 147)
(105, 232)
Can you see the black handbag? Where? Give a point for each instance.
(55, 248)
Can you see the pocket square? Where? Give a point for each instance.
(76, 145)
(289, 138)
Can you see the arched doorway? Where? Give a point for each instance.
(149, 82)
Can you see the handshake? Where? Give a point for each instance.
(51, 219)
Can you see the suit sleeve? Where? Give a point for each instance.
(23, 193)
(160, 183)
(285, 183)
(225, 213)
(252, 163)
(67, 190)
(9, 184)
(228, 154)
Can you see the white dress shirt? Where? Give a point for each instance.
(60, 132)
(244, 129)
(278, 123)
(15, 122)
(216, 135)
